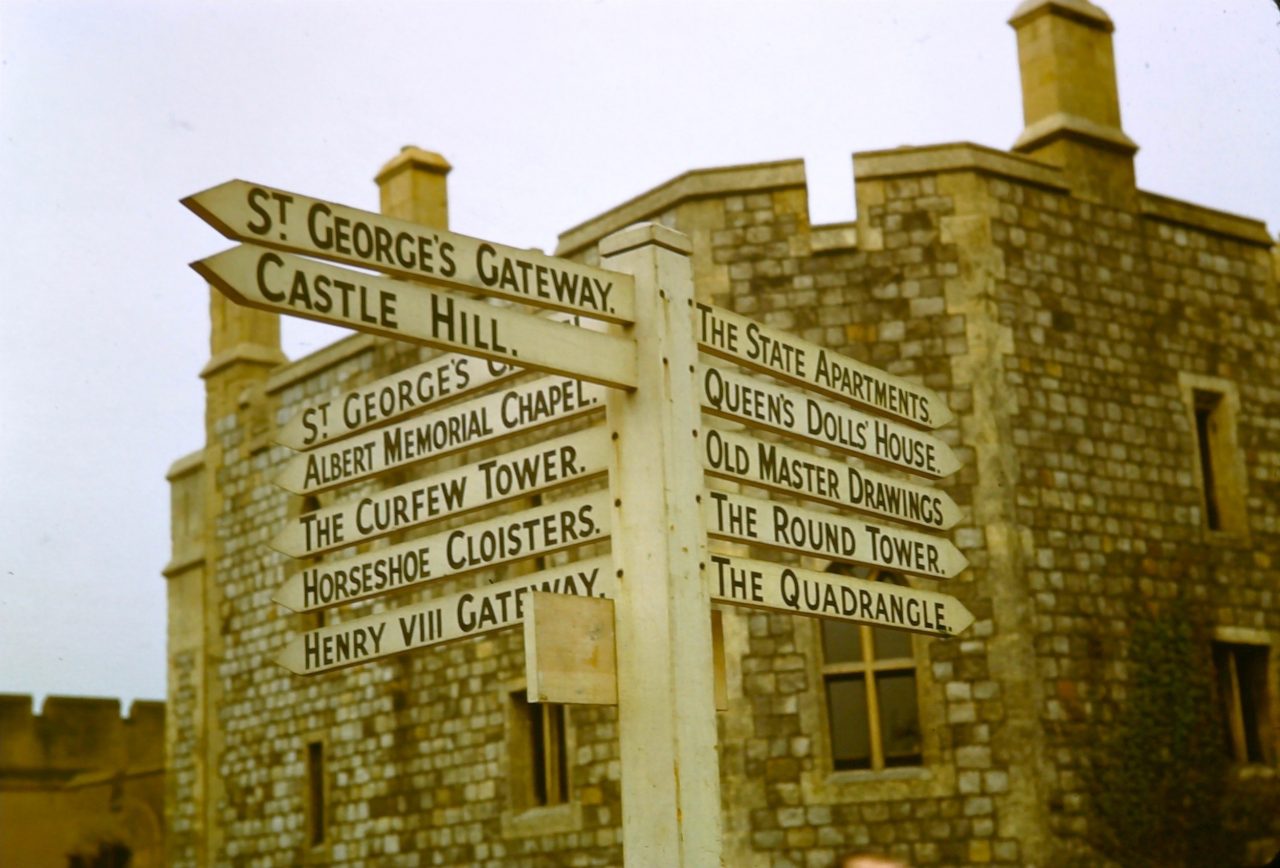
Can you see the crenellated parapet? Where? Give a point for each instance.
(79, 780)
(74, 734)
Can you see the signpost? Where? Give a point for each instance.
(440, 620)
(657, 515)
(666, 691)
(739, 518)
(491, 417)
(744, 341)
(780, 468)
(404, 393)
(778, 588)
(283, 283)
(446, 554)
(791, 413)
(295, 223)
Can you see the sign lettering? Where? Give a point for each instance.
(577, 456)
(291, 222)
(791, 413)
(792, 471)
(739, 518)
(281, 282)
(461, 426)
(746, 342)
(390, 398)
(441, 620)
(542, 530)
(765, 585)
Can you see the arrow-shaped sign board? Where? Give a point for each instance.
(407, 392)
(443, 619)
(538, 531)
(486, 419)
(739, 518)
(283, 283)
(746, 342)
(574, 457)
(842, 598)
(296, 223)
(389, 399)
(791, 413)
(826, 480)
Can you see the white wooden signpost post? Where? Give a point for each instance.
(648, 627)
(666, 696)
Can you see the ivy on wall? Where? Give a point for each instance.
(1159, 773)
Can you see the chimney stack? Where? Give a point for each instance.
(1070, 103)
(412, 187)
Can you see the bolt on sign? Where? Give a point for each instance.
(622, 340)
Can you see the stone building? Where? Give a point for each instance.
(1109, 354)
(81, 787)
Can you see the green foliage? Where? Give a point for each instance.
(1159, 774)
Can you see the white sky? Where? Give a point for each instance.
(111, 111)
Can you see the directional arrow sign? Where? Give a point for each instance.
(842, 598)
(792, 413)
(407, 392)
(444, 619)
(401, 394)
(572, 458)
(826, 480)
(281, 282)
(292, 222)
(739, 518)
(542, 530)
(462, 426)
(738, 339)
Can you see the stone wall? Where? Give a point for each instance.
(1062, 332)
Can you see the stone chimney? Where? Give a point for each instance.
(412, 187)
(1070, 103)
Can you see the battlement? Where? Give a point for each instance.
(77, 733)
(691, 186)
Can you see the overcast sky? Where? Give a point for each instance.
(550, 113)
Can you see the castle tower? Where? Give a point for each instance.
(412, 187)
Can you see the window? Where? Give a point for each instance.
(1213, 404)
(315, 794)
(1207, 407)
(539, 753)
(1242, 671)
(869, 676)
